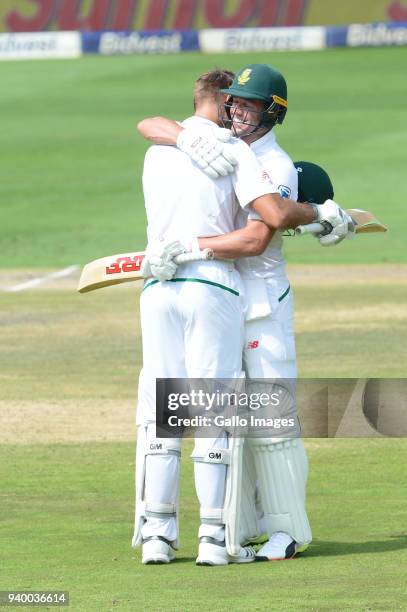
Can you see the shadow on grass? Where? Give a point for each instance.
(176, 561)
(321, 548)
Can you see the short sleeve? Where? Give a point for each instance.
(250, 181)
(284, 176)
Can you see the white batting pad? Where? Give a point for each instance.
(282, 468)
(157, 486)
(233, 497)
(211, 458)
(249, 525)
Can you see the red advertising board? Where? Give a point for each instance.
(96, 15)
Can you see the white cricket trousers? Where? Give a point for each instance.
(192, 327)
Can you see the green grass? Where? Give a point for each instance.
(62, 344)
(66, 510)
(67, 514)
(71, 159)
(70, 170)
(352, 330)
(59, 344)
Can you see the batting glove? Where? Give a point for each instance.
(340, 221)
(158, 261)
(155, 267)
(209, 149)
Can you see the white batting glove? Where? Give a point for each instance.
(162, 270)
(155, 267)
(341, 231)
(341, 222)
(158, 261)
(208, 148)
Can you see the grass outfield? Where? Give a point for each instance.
(71, 159)
(68, 376)
(60, 345)
(67, 512)
(70, 169)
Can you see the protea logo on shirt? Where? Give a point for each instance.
(285, 191)
(243, 78)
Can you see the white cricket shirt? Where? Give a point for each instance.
(181, 200)
(281, 170)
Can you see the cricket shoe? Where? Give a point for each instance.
(213, 552)
(280, 546)
(157, 550)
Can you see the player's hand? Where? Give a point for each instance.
(340, 221)
(157, 268)
(158, 261)
(162, 270)
(209, 149)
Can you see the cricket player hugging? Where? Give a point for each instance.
(189, 329)
(194, 327)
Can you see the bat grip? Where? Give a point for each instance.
(314, 228)
(194, 256)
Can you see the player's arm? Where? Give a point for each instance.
(207, 147)
(281, 213)
(277, 212)
(253, 187)
(284, 174)
(160, 130)
(246, 242)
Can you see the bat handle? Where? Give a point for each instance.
(194, 256)
(314, 228)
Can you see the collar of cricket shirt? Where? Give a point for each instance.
(197, 119)
(268, 140)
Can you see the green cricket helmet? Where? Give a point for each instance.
(259, 82)
(314, 184)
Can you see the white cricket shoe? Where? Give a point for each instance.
(213, 552)
(280, 546)
(157, 550)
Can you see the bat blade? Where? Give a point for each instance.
(125, 267)
(365, 221)
(111, 270)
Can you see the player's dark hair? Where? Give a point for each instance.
(208, 85)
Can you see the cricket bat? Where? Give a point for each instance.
(364, 221)
(124, 268)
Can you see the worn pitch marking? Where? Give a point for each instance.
(34, 282)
